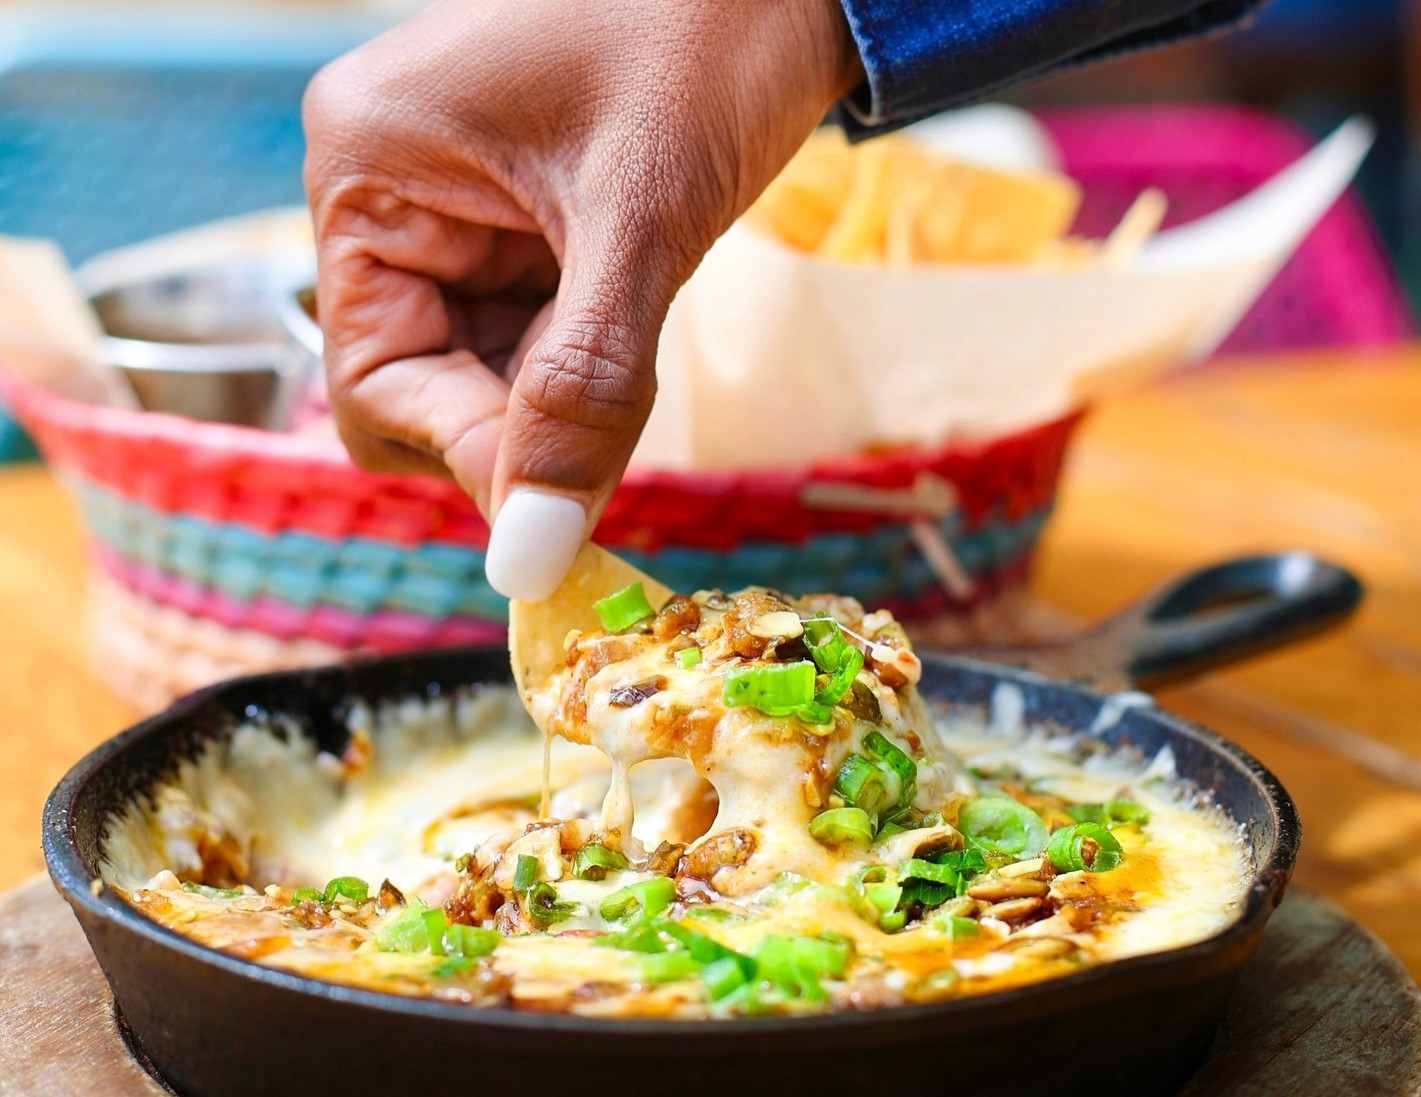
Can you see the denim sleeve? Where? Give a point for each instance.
(921, 56)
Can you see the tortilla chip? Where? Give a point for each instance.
(536, 630)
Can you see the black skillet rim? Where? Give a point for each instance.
(71, 877)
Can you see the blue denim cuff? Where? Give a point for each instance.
(921, 56)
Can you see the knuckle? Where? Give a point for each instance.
(332, 96)
(592, 375)
(365, 452)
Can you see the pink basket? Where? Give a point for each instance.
(1337, 290)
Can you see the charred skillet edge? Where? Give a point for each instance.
(71, 876)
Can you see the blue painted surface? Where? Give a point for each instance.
(121, 124)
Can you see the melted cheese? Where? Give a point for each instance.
(435, 766)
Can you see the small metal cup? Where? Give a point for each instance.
(208, 342)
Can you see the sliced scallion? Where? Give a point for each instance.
(776, 689)
(842, 826)
(687, 658)
(1001, 824)
(667, 967)
(796, 965)
(918, 869)
(1084, 847)
(965, 862)
(1112, 811)
(624, 608)
(300, 895)
(815, 713)
(882, 750)
(525, 872)
(593, 861)
(349, 887)
(826, 643)
(921, 895)
(867, 785)
(884, 897)
(434, 926)
(451, 965)
(221, 893)
(722, 977)
(469, 942)
(841, 679)
(638, 938)
(644, 899)
(544, 907)
(407, 932)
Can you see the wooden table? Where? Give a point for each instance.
(1322, 452)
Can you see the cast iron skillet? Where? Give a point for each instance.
(214, 1025)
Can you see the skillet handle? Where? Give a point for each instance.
(1215, 615)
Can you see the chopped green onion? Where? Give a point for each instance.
(469, 942)
(916, 869)
(867, 785)
(219, 893)
(796, 965)
(841, 679)
(841, 826)
(703, 949)
(881, 750)
(776, 689)
(1068, 851)
(711, 914)
(938, 984)
(639, 938)
(814, 713)
(300, 895)
(826, 643)
(885, 897)
(722, 977)
(1112, 811)
(959, 927)
(1002, 825)
(906, 819)
(644, 899)
(624, 608)
(525, 872)
(920, 895)
(965, 862)
(1126, 811)
(451, 965)
(406, 933)
(350, 887)
(593, 861)
(544, 908)
(667, 967)
(434, 926)
(686, 658)
(894, 921)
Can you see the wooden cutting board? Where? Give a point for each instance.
(1322, 1010)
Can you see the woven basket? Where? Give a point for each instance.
(222, 549)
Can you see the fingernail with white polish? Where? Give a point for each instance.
(534, 540)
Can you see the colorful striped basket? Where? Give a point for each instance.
(221, 549)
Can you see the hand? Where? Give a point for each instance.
(507, 194)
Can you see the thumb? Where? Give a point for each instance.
(578, 406)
